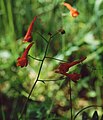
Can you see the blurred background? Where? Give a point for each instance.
(83, 37)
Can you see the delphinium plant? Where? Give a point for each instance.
(63, 67)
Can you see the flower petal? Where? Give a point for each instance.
(64, 67)
(74, 76)
(23, 62)
(25, 53)
(73, 11)
(28, 36)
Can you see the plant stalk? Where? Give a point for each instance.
(36, 79)
(70, 99)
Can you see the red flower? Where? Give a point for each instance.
(28, 36)
(74, 76)
(73, 11)
(64, 67)
(23, 61)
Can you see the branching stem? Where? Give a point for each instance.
(56, 59)
(34, 58)
(70, 99)
(42, 37)
(37, 79)
(50, 80)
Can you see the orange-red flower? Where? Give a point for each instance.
(64, 67)
(73, 76)
(73, 11)
(23, 60)
(28, 36)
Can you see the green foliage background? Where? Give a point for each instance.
(83, 37)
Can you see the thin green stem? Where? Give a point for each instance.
(4, 16)
(42, 37)
(56, 59)
(34, 58)
(50, 80)
(70, 98)
(42, 61)
(10, 16)
(54, 34)
(35, 80)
